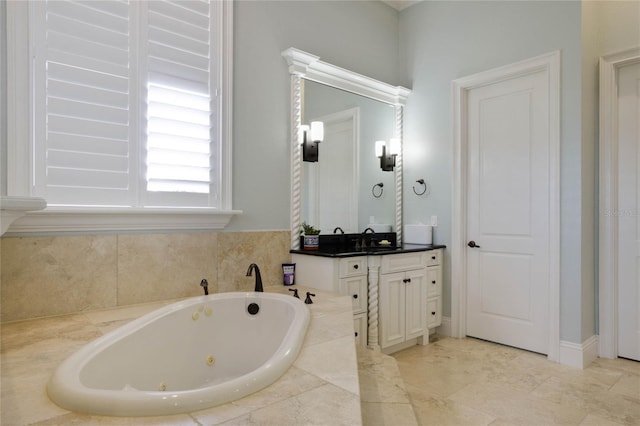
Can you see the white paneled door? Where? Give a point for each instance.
(628, 211)
(508, 211)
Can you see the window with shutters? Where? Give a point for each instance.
(129, 104)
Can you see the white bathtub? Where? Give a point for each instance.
(191, 355)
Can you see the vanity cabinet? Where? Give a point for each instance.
(403, 287)
(434, 289)
(407, 286)
(346, 275)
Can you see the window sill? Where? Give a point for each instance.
(113, 220)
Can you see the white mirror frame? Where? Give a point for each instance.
(303, 65)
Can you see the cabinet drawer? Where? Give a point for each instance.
(434, 257)
(402, 262)
(356, 287)
(434, 312)
(360, 329)
(353, 266)
(434, 281)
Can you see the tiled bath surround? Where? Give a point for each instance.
(320, 388)
(53, 275)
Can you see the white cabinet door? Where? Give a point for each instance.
(415, 303)
(403, 308)
(392, 313)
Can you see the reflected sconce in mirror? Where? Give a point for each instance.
(311, 137)
(387, 153)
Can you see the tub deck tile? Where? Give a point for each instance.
(32, 350)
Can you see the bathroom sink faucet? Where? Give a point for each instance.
(337, 228)
(258, 277)
(364, 236)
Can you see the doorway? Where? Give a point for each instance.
(619, 223)
(505, 245)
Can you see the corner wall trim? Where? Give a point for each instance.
(579, 355)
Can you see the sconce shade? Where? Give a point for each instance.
(317, 131)
(380, 148)
(304, 129)
(394, 146)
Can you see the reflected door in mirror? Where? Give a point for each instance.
(331, 183)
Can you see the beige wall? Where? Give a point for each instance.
(43, 276)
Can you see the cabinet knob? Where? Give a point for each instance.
(406, 280)
(433, 313)
(433, 282)
(355, 296)
(356, 334)
(355, 266)
(433, 257)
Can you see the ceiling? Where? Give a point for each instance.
(401, 4)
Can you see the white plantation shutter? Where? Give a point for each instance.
(123, 108)
(179, 106)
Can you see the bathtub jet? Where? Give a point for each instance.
(188, 356)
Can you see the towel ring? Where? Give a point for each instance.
(373, 190)
(424, 190)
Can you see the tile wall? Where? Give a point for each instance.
(53, 275)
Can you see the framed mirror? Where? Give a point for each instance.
(342, 187)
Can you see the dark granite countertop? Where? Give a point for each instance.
(371, 251)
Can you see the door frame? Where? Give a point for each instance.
(608, 220)
(550, 64)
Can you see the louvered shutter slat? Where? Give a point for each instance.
(179, 102)
(83, 143)
(89, 111)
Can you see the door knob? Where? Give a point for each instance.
(473, 244)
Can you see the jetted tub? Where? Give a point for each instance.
(184, 357)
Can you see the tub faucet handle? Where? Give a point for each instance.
(295, 292)
(205, 285)
(308, 300)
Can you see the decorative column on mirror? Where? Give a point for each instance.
(372, 311)
(299, 64)
(398, 173)
(296, 164)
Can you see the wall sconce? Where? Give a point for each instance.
(311, 138)
(387, 153)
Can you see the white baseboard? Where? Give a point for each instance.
(445, 327)
(579, 355)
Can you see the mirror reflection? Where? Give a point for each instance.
(342, 188)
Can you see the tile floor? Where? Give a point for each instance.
(449, 382)
(473, 382)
